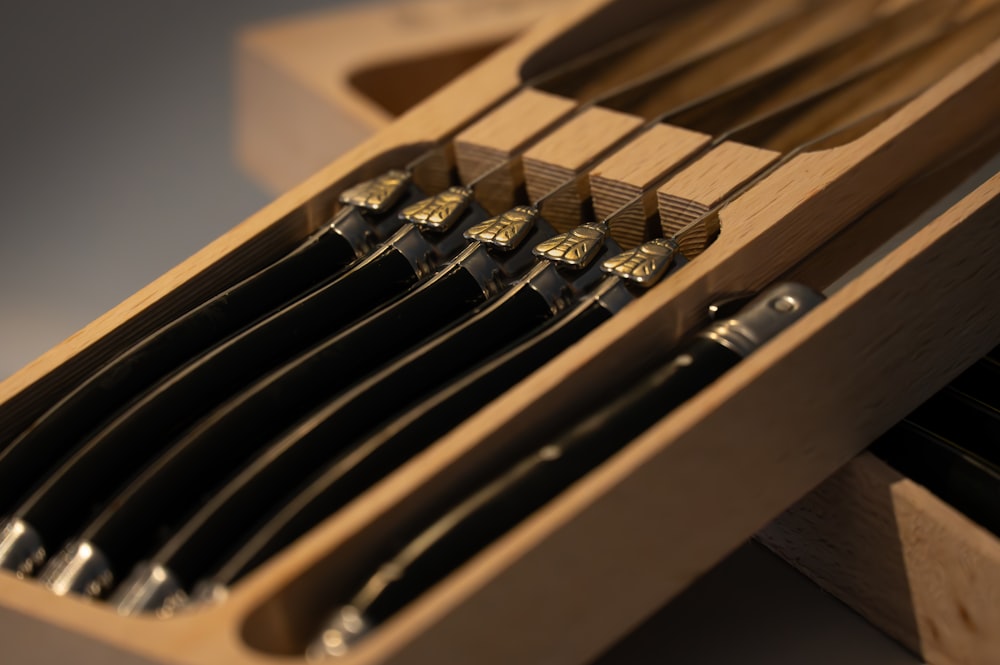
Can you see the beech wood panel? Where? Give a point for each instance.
(640, 517)
(913, 565)
(499, 138)
(503, 134)
(935, 282)
(617, 182)
(564, 153)
(691, 194)
(894, 213)
(759, 232)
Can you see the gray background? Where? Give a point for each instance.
(116, 164)
(115, 152)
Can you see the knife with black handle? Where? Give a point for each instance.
(349, 235)
(335, 435)
(127, 525)
(444, 540)
(59, 506)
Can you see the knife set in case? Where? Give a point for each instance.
(459, 396)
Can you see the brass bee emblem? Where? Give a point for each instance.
(645, 264)
(378, 194)
(507, 230)
(440, 211)
(575, 248)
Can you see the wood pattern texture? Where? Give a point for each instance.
(563, 154)
(623, 185)
(792, 414)
(914, 566)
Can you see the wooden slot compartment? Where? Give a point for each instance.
(608, 513)
(497, 141)
(728, 96)
(563, 155)
(644, 525)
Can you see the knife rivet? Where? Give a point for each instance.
(785, 304)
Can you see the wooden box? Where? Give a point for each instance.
(644, 525)
(860, 535)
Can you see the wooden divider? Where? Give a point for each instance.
(562, 155)
(634, 530)
(623, 184)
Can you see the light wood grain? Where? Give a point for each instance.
(914, 566)
(936, 286)
(758, 233)
(623, 184)
(894, 214)
(688, 196)
(563, 154)
(640, 518)
(498, 139)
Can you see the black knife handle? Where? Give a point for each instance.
(206, 456)
(967, 482)
(194, 549)
(397, 440)
(443, 540)
(68, 422)
(335, 429)
(495, 508)
(424, 370)
(963, 420)
(62, 503)
(394, 442)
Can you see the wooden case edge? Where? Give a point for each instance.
(214, 633)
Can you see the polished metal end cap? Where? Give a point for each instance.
(21, 548)
(343, 629)
(209, 592)
(767, 315)
(149, 588)
(80, 568)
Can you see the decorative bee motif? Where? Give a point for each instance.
(645, 264)
(378, 194)
(440, 211)
(575, 248)
(507, 230)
